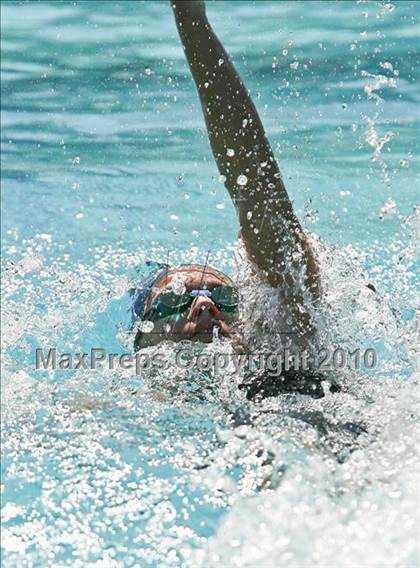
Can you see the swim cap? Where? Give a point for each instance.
(142, 291)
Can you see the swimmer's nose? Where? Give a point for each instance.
(203, 308)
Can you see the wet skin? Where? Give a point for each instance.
(203, 315)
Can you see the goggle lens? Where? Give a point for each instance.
(169, 304)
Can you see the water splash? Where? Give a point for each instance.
(379, 82)
(377, 143)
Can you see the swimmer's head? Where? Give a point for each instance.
(189, 302)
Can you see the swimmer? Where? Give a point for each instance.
(191, 301)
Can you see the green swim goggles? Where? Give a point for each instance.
(169, 305)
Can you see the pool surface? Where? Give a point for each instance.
(106, 166)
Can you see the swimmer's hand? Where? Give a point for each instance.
(188, 8)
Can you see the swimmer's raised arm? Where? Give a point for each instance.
(270, 230)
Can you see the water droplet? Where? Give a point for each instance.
(389, 208)
(177, 286)
(242, 180)
(249, 215)
(76, 161)
(220, 62)
(222, 178)
(220, 206)
(148, 71)
(386, 65)
(230, 152)
(174, 217)
(285, 52)
(146, 326)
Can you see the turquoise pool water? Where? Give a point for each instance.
(105, 165)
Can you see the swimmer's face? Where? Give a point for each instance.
(201, 315)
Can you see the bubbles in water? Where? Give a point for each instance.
(230, 152)
(242, 180)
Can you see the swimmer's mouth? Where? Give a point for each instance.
(206, 334)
